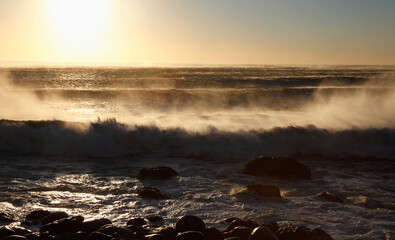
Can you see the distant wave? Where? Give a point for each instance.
(112, 139)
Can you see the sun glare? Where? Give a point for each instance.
(79, 25)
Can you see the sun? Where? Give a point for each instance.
(79, 26)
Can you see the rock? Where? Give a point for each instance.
(32, 236)
(38, 214)
(93, 225)
(330, 197)
(5, 217)
(233, 238)
(69, 236)
(168, 232)
(136, 222)
(156, 173)
(229, 220)
(6, 231)
(190, 223)
(98, 236)
(27, 223)
(191, 235)
(64, 225)
(301, 233)
(213, 234)
(272, 225)
(151, 192)
(14, 237)
(116, 231)
(53, 217)
(141, 232)
(155, 236)
(155, 218)
(262, 233)
(21, 231)
(242, 232)
(262, 190)
(239, 222)
(277, 167)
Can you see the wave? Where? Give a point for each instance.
(105, 139)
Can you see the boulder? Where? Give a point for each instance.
(6, 231)
(93, 225)
(21, 230)
(330, 197)
(160, 172)
(38, 214)
(155, 236)
(261, 190)
(64, 225)
(242, 232)
(262, 233)
(190, 223)
(69, 236)
(138, 222)
(301, 233)
(277, 167)
(272, 225)
(53, 217)
(14, 237)
(155, 218)
(114, 231)
(32, 236)
(213, 234)
(191, 235)
(151, 192)
(168, 232)
(6, 217)
(239, 222)
(98, 236)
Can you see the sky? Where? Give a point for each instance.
(160, 32)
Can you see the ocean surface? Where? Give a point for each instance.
(72, 139)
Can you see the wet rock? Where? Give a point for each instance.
(155, 218)
(262, 233)
(98, 236)
(93, 225)
(38, 214)
(14, 237)
(155, 236)
(53, 217)
(168, 232)
(69, 236)
(27, 223)
(21, 231)
(32, 236)
(151, 192)
(64, 225)
(160, 172)
(190, 223)
(330, 197)
(191, 235)
(116, 231)
(301, 233)
(6, 231)
(242, 232)
(239, 222)
(277, 167)
(233, 238)
(6, 217)
(213, 234)
(272, 225)
(229, 220)
(136, 222)
(262, 190)
(141, 232)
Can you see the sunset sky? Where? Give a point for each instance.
(149, 32)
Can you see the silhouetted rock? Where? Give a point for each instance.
(93, 225)
(14, 237)
(272, 225)
(262, 233)
(136, 222)
(191, 235)
(277, 167)
(141, 232)
(155, 236)
(32, 236)
(242, 232)
(330, 197)
(151, 192)
(213, 234)
(69, 236)
(64, 225)
(301, 233)
(190, 223)
(155, 218)
(168, 232)
(156, 173)
(38, 214)
(239, 222)
(6, 217)
(53, 217)
(261, 190)
(116, 231)
(21, 230)
(233, 238)
(6, 231)
(98, 236)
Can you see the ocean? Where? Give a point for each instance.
(73, 138)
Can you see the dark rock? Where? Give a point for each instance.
(301, 233)
(69, 236)
(136, 222)
(32, 236)
(168, 232)
(243, 223)
(155, 218)
(242, 232)
(5, 217)
(262, 233)
(330, 197)
(213, 234)
(21, 231)
(27, 223)
(83, 234)
(93, 225)
(262, 190)
(190, 223)
(38, 214)
(233, 238)
(191, 235)
(151, 192)
(14, 237)
(155, 236)
(98, 236)
(64, 225)
(277, 167)
(141, 232)
(156, 173)
(116, 231)
(53, 217)
(272, 225)
(229, 220)
(105, 220)
(6, 231)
